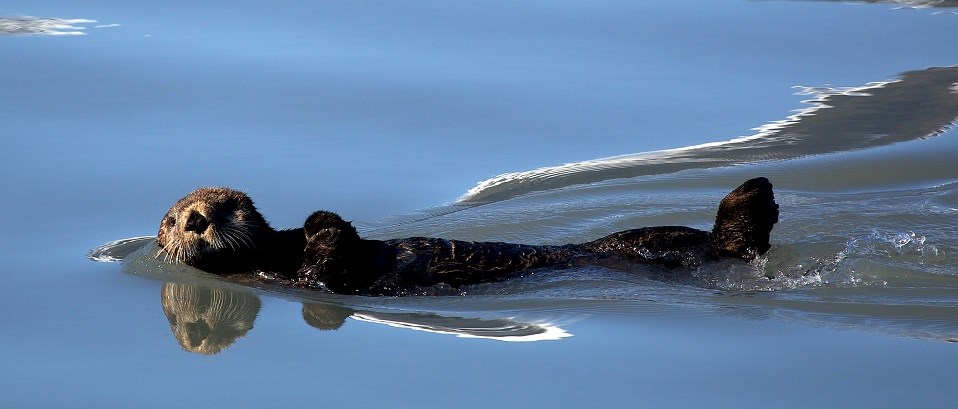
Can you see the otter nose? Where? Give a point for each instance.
(196, 222)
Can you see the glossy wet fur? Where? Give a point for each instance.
(219, 230)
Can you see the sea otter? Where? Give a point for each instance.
(220, 231)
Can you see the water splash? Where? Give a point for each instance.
(836, 270)
(891, 244)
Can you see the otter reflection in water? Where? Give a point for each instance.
(219, 230)
(208, 320)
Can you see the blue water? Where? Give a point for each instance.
(400, 116)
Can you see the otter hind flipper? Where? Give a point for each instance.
(745, 219)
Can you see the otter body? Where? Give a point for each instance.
(220, 231)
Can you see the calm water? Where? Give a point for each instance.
(400, 116)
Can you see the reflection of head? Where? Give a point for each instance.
(325, 316)
(207, 320)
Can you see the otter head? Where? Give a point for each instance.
(213, 229)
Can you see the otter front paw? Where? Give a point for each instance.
(327, 234)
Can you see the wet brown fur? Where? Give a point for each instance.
(219, 230)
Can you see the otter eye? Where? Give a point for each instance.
(171, 221)
(229, 205)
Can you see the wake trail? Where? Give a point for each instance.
(917, 105)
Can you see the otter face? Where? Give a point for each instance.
(213, 229)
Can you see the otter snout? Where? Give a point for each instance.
(196, 222)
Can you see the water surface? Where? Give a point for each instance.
(521, 121)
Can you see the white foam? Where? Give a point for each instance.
(543, 331)
(51, 26)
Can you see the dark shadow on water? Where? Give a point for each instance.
(916, 105)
